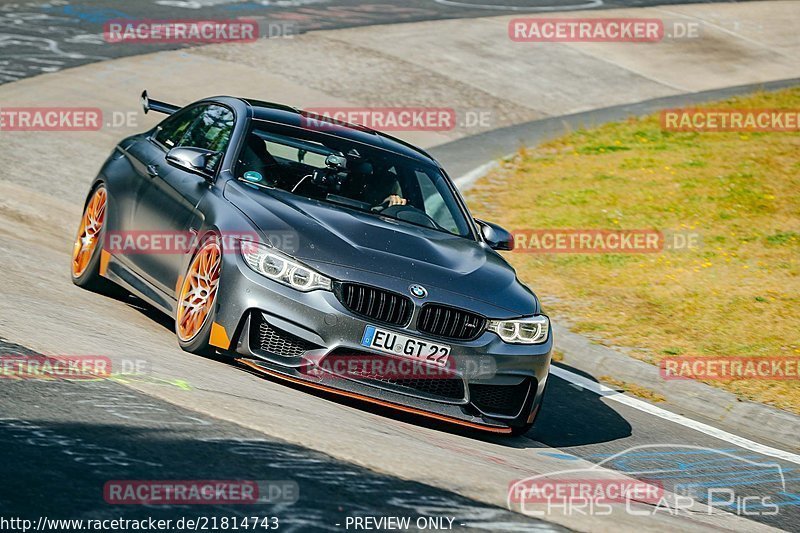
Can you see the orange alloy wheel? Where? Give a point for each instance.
(199, 291)
(89, 232)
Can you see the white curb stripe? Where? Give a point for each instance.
(651, 409)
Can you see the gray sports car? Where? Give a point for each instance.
(322, 253)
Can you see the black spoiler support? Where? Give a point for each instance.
(155, 105)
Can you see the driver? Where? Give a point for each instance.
(383, 191)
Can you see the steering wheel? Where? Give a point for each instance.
(409, 213)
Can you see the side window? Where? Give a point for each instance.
(171, 130)
(205, 126)
(211, 130)
(296, 155)
(435, 205)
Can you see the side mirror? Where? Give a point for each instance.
(195, 160)
(496, 237)
(145, 100)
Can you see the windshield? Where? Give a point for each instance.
(349, 174)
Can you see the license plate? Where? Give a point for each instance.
(395, 343)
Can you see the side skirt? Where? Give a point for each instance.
(114, 270)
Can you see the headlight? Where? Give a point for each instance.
(282, 268)
(531, 330)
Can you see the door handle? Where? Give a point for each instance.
(152, 171)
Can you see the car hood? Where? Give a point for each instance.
(338, 241)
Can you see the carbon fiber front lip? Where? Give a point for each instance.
(353, 389)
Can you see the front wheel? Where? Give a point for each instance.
(87, 249)
(197, 299)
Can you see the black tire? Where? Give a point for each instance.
(522, 430)
(199, 343)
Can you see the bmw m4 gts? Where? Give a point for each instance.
(322, 253)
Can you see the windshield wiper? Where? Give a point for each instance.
(348, 202)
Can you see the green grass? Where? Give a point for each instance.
(737, 294)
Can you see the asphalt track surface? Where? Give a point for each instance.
(38, 36)
(93, 432)
(62, 441)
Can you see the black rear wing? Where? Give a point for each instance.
(155, 105)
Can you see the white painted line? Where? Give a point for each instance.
(590, 4)
(464, 182)
(651, 409)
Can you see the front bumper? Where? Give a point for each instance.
(285, 333)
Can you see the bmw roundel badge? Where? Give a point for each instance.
(418, 291)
